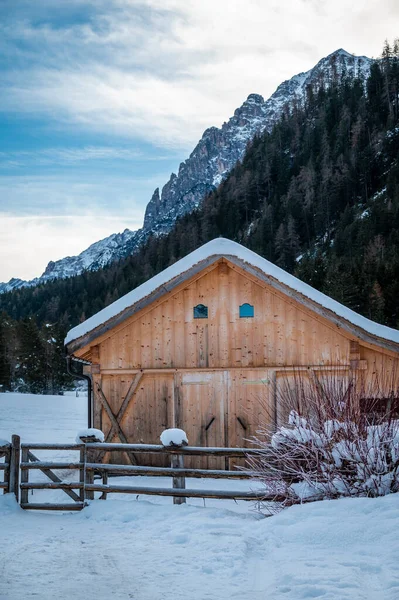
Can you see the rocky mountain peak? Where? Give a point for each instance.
(254, 99)
(341, 52)
(213, 157)
(341, 60)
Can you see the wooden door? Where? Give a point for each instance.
(223, 408)
(201, 410)
(251, 407)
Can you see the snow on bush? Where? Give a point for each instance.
(174, 437)
(90, 434)
(334, 443)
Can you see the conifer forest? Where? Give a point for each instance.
(318, 196)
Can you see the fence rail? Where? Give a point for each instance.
(176, 493)
(88, 469)
(176, 471)
(189, 450)
(122, 470)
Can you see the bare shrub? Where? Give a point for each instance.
(337, 436)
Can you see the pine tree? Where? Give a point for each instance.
(5, 366)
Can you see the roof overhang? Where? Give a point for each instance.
(185, 269)
(130, 311)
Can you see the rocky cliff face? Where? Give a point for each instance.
(219, 149)
(211, 160)
(213, 157)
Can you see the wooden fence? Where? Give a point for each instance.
(30, 462)
(93, 475)
(176, 471)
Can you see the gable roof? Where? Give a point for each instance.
(211, 252)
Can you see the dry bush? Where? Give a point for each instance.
(339, 437)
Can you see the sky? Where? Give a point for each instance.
(100, 100)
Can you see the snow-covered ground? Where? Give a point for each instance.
(52, 419)
(58, 419)
(149, 549)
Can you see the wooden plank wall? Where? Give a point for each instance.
(281, 333)
(217, 378)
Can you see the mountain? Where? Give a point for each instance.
(207, 166)
(318, 195)
(219, 149)
(95, 257)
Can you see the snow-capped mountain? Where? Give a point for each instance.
(219, 149)
(95, 257)
(211, 160)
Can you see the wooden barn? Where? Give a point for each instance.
(203, 345)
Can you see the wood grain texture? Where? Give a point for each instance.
(282, 332)
(180, 493)
(217, 378)
(13, 475)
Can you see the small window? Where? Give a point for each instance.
(200, 311)
(246, 310)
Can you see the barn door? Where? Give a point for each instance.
(201, 410)
(251, 406)
(146, 415)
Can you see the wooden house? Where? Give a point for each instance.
(203, 345)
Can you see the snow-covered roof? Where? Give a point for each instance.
(216, 249)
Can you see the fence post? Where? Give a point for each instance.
(179, 482)
(88, 475)
(24, 476)
(13, 482)
(105, 482)
(82, 460)
(6, 452)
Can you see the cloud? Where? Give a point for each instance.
(27, 242)
(143, 79)
(76, 194)
(62, 211)
(72, 156)
(168, 113)
(164, 70)
(47, 217)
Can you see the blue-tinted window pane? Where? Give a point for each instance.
(246, 310)
(200, 311)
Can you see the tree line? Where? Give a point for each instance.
(31, 357)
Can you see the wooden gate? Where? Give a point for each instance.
(82, 473)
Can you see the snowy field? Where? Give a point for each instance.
(57, 419)
(149, 549)
(53, 419)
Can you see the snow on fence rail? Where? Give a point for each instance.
(88, 466)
